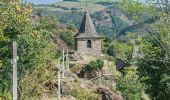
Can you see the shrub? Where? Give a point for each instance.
(82, 94)
(130, 85)
(95, 65)
(118, 49)
(68, 38)
(72, 27)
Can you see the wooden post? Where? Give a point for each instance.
(14, 63)
(63, 67)
(59, 96)
(67, 61)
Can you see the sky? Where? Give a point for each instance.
(52, 1)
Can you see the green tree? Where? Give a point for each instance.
(48, 23)
(72, 27)
(120, 50)
(35, 50)
(130, 85)
(68, 37)
(154, 67)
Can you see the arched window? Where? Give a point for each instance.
(88, 44)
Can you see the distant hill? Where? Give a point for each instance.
(68, 6)
(109, 20)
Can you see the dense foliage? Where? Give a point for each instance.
(68, 37)
(155, 70)
(35, 50)
(130, 85)
(95, 65)
(71, 17)
(117, 49)
(118, 24)
(154, 67)
(110, 29)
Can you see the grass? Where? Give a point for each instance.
(50, 8)
(92, 6)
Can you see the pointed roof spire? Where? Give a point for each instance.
(87, 29)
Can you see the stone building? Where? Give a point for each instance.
(88, 41)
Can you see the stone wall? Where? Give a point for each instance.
(83, 49)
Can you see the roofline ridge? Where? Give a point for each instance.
(87, 27)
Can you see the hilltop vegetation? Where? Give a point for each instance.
(107, 16)
(42, 32)
(68, 6)
(152, 33)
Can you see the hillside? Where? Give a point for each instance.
(46, 55)
(81, 6)
(107, 17)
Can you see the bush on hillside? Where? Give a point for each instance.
(95, 65)
(71, 17)
(117, 49)
(83, 94)
(68, 37)
(72, 27)
(130, 85)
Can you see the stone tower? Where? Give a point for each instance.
(88, 41)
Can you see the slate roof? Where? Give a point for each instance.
(87, 29)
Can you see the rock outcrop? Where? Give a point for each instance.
(108, 94)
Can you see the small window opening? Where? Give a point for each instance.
(88, 44)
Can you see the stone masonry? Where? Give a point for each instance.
(88, 41)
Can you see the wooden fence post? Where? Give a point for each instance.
(14, 64)
(68, 61)
(59, 96)
(63, 67)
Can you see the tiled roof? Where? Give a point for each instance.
(87, 29)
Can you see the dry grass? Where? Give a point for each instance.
(91, 6)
